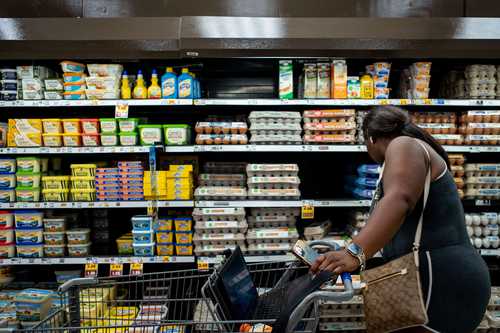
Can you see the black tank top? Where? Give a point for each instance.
(443, 222)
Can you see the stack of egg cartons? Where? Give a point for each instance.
(480, 81)
(272, 230)
(345, 316)
(8, 84)
(275, 127)
(360, 117)
(363, 185)
(24, 133)
(482, 181)
(329, 126)
(32, 81)
(29, 233)
(481, 127)
(131, 180)
(143, 236)
(107, 184)
(7, 245)
(483, 229)
(457, 169)
(415, 81)
(273, 181)
(180, 182)
(103, 81)
(224, 182)
(28, 177)
(54, 234)
(83, 182)
(74, 80)
(453, 85)
(7, 180)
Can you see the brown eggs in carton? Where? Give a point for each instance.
(221, 139)
(456, 159)
(449, 139)
(329, 138)
(477, 140)
(211, 127)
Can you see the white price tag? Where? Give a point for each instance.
(121, 110)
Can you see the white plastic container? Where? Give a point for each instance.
(7, 250)
(30, 251)
(54, 224)
(144, 250)
(78, 236)
(6, 219)
(79, 250)
(6, 236)
(142, 237)
(54, 237)
(7, 180)
(52, 251)
(29, 236)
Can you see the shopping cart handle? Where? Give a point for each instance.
(331, 245)
(76, 282)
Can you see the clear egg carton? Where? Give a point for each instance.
(315, 133)
(482, 181)
(477, 140)
(433, 128)
(270, 117)
(350, 327)
(225, 167)
(346, 114)
(480, 116)
(275, 128)
(272, 235)
(211, 127)
(273, 194)
(271, 221)
(482, 167)
(344, 121)
(207, 179)
(212, 250)
(350, 314)
(329, 138)
(480, 129)
(221, 139)
(354, 303)
(220, 193)
(449, 139)
(279, 139)
(273, 182)
(218, 214)
(219, 239)
(279, 211)
(272, 170)
(269, 248)
(434, 118)
(489, 194)
(475, 174)
(212, 227)
(493, 319)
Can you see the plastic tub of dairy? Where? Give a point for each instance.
(7, 250)
(54, 224)
(6, 219)
(150, 134)
(33, 305)
(54, 237)
(52, 140)
(49, 195)
(28, 179)
(72, 140)
(183, 237)
(52, 126)
(28, 219)
(29, 251)
(83, 169)
(128, 124)
(163, 237)
(7, 195)
(83, 195)
(29, 236)
(128, 138)
(71, 126)
(144, 250)
(27, 194)
(184, 249)
(72, 67)
(177, 134)
(7, 180)
(78, 236)
(109, 139)
(79, 250)
(82, 182)
(142, 237)
(166, 249)
(6, 235)
(108, 125)
(142, 223)
(103, 70)
(7, 165)
(183, 224)
(54, 251)
(90, 140)
(164, 224)
(28, 164)
(125, 245)
(55, 182)
(90, 126)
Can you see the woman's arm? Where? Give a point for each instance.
(403, 182)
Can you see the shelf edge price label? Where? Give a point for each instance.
(136, 268)
(121, 110)
(307, 212)
(483, 202)
(116, 270)
(91, 270)
(202, 265)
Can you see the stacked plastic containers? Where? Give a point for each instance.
(273, 181)
(74, 80)
(164, 234)
(31, 81)
(481, 127)
(183, 236)
(24, 133)
(7, 180)
(415, 81)
(28, 176)
(380, 72)
(483, 229)
(364, 184)
(29, 233)
(103, 81)
(482, 181)
(7, 244)
(131, 177)
(83, 182)
(78, 242)
(107, 184)
(218, 229)
(72, 136)
(271, 230)
(275, 127)
(55, 188)
(143, 236)
(222, 181)
(180, 182)
(8, 84)
(54, 234)
(457, 162)
(329, 126)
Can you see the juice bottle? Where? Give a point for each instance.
(140, 91)
(185, 84)
(196, 86)
(154, 90)
(169, 84)
(366, 86)
(126, 92)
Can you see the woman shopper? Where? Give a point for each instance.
(454, 279)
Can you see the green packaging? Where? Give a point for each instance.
(177, 134)
(286, 79)
(150, 135)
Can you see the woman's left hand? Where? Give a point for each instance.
(336, 262)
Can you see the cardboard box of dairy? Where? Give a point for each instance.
(339, 78)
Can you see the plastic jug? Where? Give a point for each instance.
(126, 92)
(140, 91)
(185, 84)
(154, 90)
(169, 84)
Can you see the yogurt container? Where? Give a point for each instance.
(78, 236)
(54, 224)
(164, 237)
(79, 250)
(109, 139)
(52, 126)
(27, 194)
(6, 219)
(184, 249)
(142, 237)
(183, 223)
(28, 219)
(144, 250)
(72, 140)
(164, 224)
(125, 245)
(33, 305)
(128, 139)
(90, 126)
(108, 125)
(165, 249)
(7, 195)
(128, 124)
(28, 164)
(7, 250)
(6, 236)
(29, 236)
(28, 179)
(7, 165)
(54, 237)
(142, 223)
(52, 140)
(183, 237)
(150, 134)
(71, 126)
(7, 180)
(91, 140)
(72, 67)
(54, 251)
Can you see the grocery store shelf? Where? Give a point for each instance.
(71, 103)
(75, 150)
(283, 203)
(490, 252)
(265, 148)
(472, 149)
(250, 258)
(94, 204)
(96, 260)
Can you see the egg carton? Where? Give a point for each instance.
(219, 239)
(482, 181)
(434, 117)
(449, 139)
(273, 182)
(274, 194)
(207, 179)
(350, 313)
(271, 235)
(325, 318)
(475, 219)
(229, 226)
(279, 139)
(281, 128)
(278, 211)
(482, 140)
(329, 138)
(486, 242)
(318, 231)
(351, 327)
(456, 159)
(484, 231)
(484, 193)
(269, 117)
(272, 170)
(434, 128)
(482, 186)
(475, 174)
(482, 167)
(225, 167)
(316, 133)
(328, 115)
(261, 134)
(220, 193)
(336, 126)
(269, 248)
(211, 127)
(221, 139)
(212, 250)
(356, 302)
(481, 129)
(218, 214)
(271, 221)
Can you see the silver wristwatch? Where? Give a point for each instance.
(357, 252)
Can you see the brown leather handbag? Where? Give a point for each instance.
(392, 294)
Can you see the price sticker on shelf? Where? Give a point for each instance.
(483, 202)
(91, 270)
(136, 268)
(307, 212)
(202, 265)
(116, 270)
(121, 110)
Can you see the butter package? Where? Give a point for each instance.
(323, 90)
(310, 80)
(339, 77)
(24, 140)
(54, 84)
(72, 67)
(25, 126)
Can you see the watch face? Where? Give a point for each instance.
(354, 248)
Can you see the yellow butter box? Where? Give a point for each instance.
(26, 126)
(24, 140)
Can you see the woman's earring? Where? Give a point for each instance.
(371, 139)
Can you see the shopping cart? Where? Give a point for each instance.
(174, 302)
